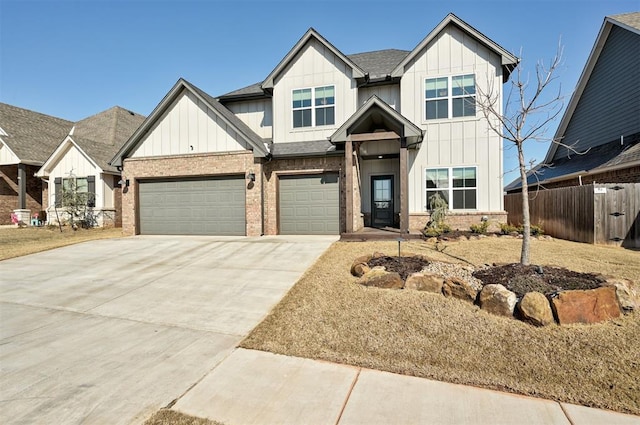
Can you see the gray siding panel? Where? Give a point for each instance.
(203, 206)
(610, 104)
(309, 205)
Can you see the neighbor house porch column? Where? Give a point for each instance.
(348, 181)
(404, 186)
(22, 186)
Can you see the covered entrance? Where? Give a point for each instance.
(376, 139)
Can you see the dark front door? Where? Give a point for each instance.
(382, 201)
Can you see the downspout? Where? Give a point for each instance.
(262, 197)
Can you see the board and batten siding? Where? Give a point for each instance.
(6, 156)
(389, 93)
(188, 127)
(454, 142)
(609, 106)
(313, 66)
(257, 114)
(73, 162)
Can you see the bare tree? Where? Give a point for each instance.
(527, 114)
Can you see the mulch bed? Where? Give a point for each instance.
(522, 279)
(404, 266)
(515, 277)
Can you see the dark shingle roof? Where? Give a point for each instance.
(32, 136)
(103, 134)
(631, 19)
(252, 90)
(599, 158)
(377, 64)
(380, 63)
(317, 147)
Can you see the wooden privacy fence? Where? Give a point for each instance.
(597, 213)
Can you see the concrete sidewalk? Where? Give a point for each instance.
(254, 387)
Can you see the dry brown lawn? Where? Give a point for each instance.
(15, 242)
(327, 316)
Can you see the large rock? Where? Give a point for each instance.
(534, 308)
(497, 299)
(381, 279)
(428, 282)
(458, 288)
(628, 294)
(589, 306)
(360, 266)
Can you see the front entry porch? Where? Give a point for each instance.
(376, 141)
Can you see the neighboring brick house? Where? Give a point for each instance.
(27, 139)
(81, 160)
(40, 153)
(602, 120)
(327, 143)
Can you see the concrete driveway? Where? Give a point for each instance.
(109, 331)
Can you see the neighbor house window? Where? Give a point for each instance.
(313, 107)
(456, 185)
(79, 185)
(450, 97)
(75, 190)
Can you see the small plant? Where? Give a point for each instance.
(480, 228)
(438, 208)
(506, 228)
(536, 230)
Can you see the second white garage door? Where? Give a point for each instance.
(199, 206)
(309, 204)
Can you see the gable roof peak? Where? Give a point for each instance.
(509, 61)
(269, 82)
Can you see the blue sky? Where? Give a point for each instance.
(72, 59)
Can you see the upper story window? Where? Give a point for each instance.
(313, 107)
(457, 186)
(450, 97)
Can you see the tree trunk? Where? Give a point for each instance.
(526, 220)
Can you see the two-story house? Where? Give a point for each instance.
(327, 143)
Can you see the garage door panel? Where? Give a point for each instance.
(309, 204)
(206, 206)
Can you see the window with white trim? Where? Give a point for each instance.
(78, 186)
(450, 97)
(313, 107)
(456, 185)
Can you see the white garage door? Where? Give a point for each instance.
(199, 206)
(310, 205)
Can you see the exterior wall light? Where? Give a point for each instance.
(251, 176)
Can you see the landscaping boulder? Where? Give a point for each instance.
(381, 278)
(497, 299)
(628, 294)
(359, 266)
(428, 282)
(458, 288)
(534, 308)
(588, 306)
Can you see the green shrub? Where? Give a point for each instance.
(506, 228)
(438, 209)
(480, 228)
